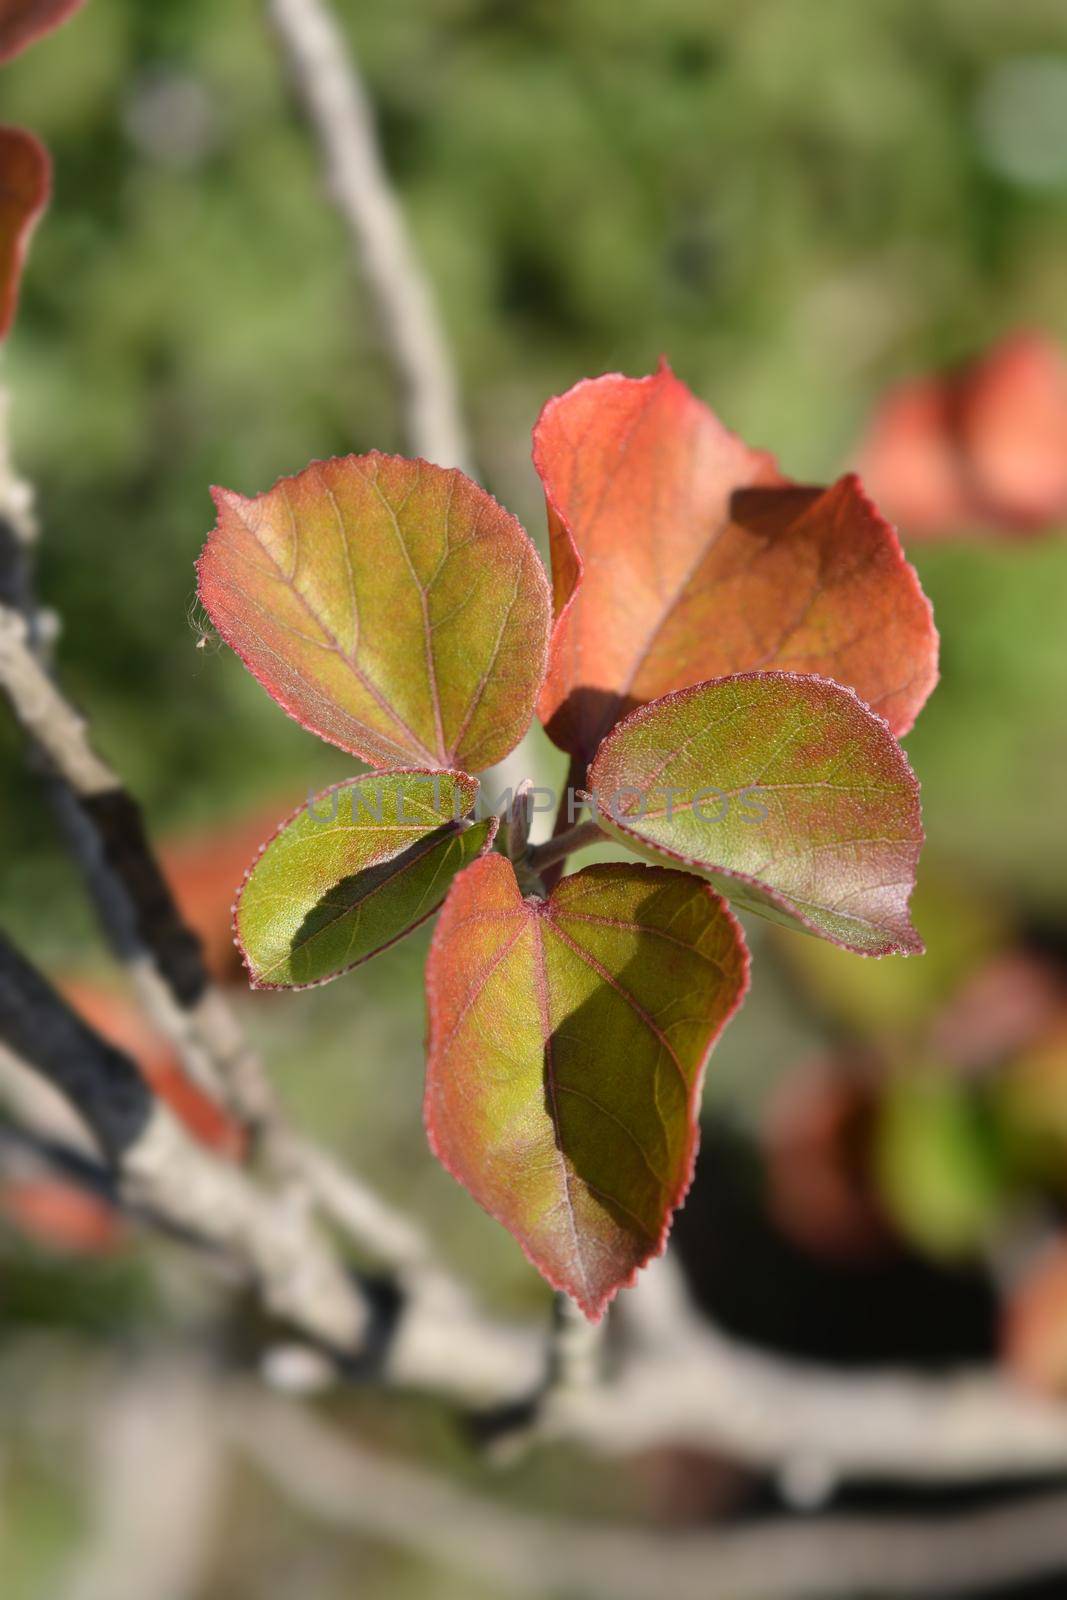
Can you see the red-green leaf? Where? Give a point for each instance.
(23, 21)
(25, 178)
(352, 871)
(390, 606)
(785, 792)
(679, 554)
(568, 1039)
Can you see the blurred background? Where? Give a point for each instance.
(805, 209)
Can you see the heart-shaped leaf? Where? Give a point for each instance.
(25, 178)
(679, 554)
(352, 871)
(23, 21)
(567, 1044)
(785, 792)
(390, 606)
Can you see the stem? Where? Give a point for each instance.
(564, 816)
(559, 848)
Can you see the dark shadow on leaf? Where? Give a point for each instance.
(578, 1055)
(591, 713)
(358, 887)
(772, 511)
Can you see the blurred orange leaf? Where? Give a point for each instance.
(1034, 1329)
(62, 1216)
(980, 448)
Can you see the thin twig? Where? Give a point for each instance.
(567, 813)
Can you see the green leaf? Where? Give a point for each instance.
(784, 791)
(568, 1039)
(390, 606)
(352, 871)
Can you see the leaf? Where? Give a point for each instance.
(389, 606)
(62, 1216)
(25, 180)
(1013, 431)
(785, 792)
(910, 463)
(979, 448)
(679, 554)
(353, 871)
(24, 21)
(1034, 1325)
(567, 1045)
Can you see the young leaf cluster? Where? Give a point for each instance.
(712, 630)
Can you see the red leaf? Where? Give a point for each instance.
(1034, 1330)
(1013, 432)
(679, 554)
(910, 461)
(25, 180)
(24, 21)
(390, 606)
(981, 448)
(568, 1040)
